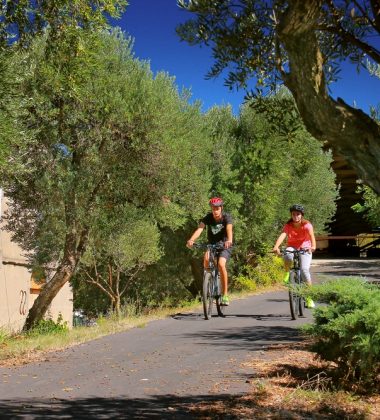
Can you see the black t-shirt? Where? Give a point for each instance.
(216, 231)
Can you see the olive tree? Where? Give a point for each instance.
(107, 134)
(279, 164)
(302, 44)
(22, 20)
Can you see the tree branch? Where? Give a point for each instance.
(349, 131)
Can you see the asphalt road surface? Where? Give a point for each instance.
(158, 370)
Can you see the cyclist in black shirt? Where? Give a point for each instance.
(219, 230)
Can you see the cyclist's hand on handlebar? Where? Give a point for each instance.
(277, 251)
(227, 244)
(189, 243)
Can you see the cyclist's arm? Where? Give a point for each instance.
(228, 242)
(195, 235)
(279, 241)
(313, 241)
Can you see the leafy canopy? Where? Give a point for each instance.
(109, 134)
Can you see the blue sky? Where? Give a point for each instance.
(152, 24)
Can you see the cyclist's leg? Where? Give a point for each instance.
(305, 262)
(222, 266)
(288, 260)
(224, 256)
(206, 260)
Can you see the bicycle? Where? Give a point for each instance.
(296, 301)
(211, 288)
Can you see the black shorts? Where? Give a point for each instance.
(226, 253)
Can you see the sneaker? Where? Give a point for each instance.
(225, 301)
(286, 278)
(310, 303)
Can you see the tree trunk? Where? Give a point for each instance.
(48, 293)
(117, 306)
(75, 245)
(348, 131)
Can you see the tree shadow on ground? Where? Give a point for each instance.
(160, 407)
(192, 316)
(248, 338)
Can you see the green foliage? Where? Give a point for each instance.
(20, 21)
(243, 283)
(48, 326)
(220, 146)
(246, 37)
(108, 134)
(263, 272)
(169, 280)
(371, 206)
(110, 141)
(279, 164)
(347, 328)
(13, 134)
(113, 258)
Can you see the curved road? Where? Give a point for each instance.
(156, 371)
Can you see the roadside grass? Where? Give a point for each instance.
(289, 382)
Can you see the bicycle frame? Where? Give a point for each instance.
(296, 302)
(211, 288)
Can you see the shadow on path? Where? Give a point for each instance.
(153, 407)
(167, 407)
(260, 317)
(247, 338)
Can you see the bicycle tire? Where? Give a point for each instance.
(207, 295)
(294, 300)
(218, 298)
(301, 300)
(302, 306)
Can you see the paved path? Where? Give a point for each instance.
(338, 267)
(156, 371)
(151, 371)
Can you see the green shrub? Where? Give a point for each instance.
(48, 326)
(266, 271)
(242, 283)
(347, 328)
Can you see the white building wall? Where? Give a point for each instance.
(15, 286)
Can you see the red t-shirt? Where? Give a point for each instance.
(299, 237)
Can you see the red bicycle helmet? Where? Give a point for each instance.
(216, 202)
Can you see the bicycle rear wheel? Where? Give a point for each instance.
(207, 294)
(218, 298)
(294, 299)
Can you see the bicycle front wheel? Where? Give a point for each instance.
(207, 295)
(294, 299)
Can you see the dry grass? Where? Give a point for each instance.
(290, 383)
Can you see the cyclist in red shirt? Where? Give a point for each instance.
(300, 234)
(219, 230)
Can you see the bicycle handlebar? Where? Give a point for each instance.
(215, 247)
(295, 251)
